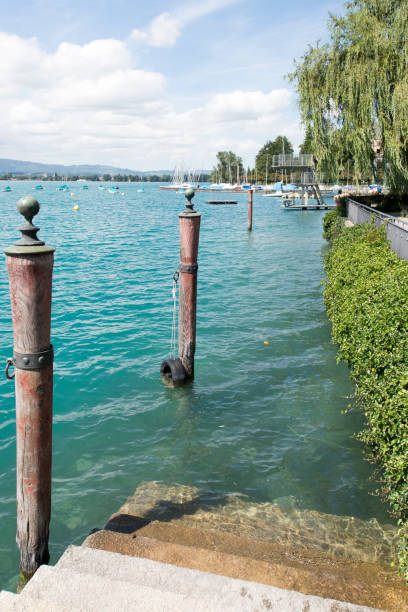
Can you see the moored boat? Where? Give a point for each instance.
(273, 194)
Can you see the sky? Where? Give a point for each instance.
(151, 85)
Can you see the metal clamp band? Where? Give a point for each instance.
(189, 268)
(33, 361)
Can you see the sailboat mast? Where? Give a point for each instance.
(266, 170)
(283, 159)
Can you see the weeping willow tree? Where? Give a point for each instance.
(354, 91)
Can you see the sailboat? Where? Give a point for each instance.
(179, 183)
(276, 193)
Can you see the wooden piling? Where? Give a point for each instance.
(189, 223)
(29, 263)
(250, 202)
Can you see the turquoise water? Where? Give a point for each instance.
(262, 420)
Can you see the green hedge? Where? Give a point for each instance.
(333, 225)
(341, 204)
(366, 296)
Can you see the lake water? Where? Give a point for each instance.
(261, 420)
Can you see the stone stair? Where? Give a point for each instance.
(182, 549)
(89, 580)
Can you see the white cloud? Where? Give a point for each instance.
(87, 104)
(123, 89)
(164, 30)
(26, 112)
(98, 74)
(19, 64)
(247, 105)
(95, 58)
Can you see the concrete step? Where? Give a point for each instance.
(10, 602)
(263, 562)
(7, 599)
(89, 593)
(209, 588)
(144, 572)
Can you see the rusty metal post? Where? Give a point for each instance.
(189, 223)
(29, 263)
(250, 201)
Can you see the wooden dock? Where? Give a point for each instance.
(222, 202)
(308, 206)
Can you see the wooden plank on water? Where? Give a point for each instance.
(222, 201)
(309, 207)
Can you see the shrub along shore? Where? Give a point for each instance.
(366, 297)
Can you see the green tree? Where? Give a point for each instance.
(264, 158)
(229, 167)
(354, 90)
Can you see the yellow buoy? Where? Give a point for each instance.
(72, 195)
(76, 207)
(266, 342)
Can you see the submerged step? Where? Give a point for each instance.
(282, 522)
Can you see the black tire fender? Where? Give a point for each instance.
(173, 373)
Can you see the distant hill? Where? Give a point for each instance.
(15, 166)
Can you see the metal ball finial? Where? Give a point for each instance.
(28, 207)
(189, 195)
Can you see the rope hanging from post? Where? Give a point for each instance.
(173, 341)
